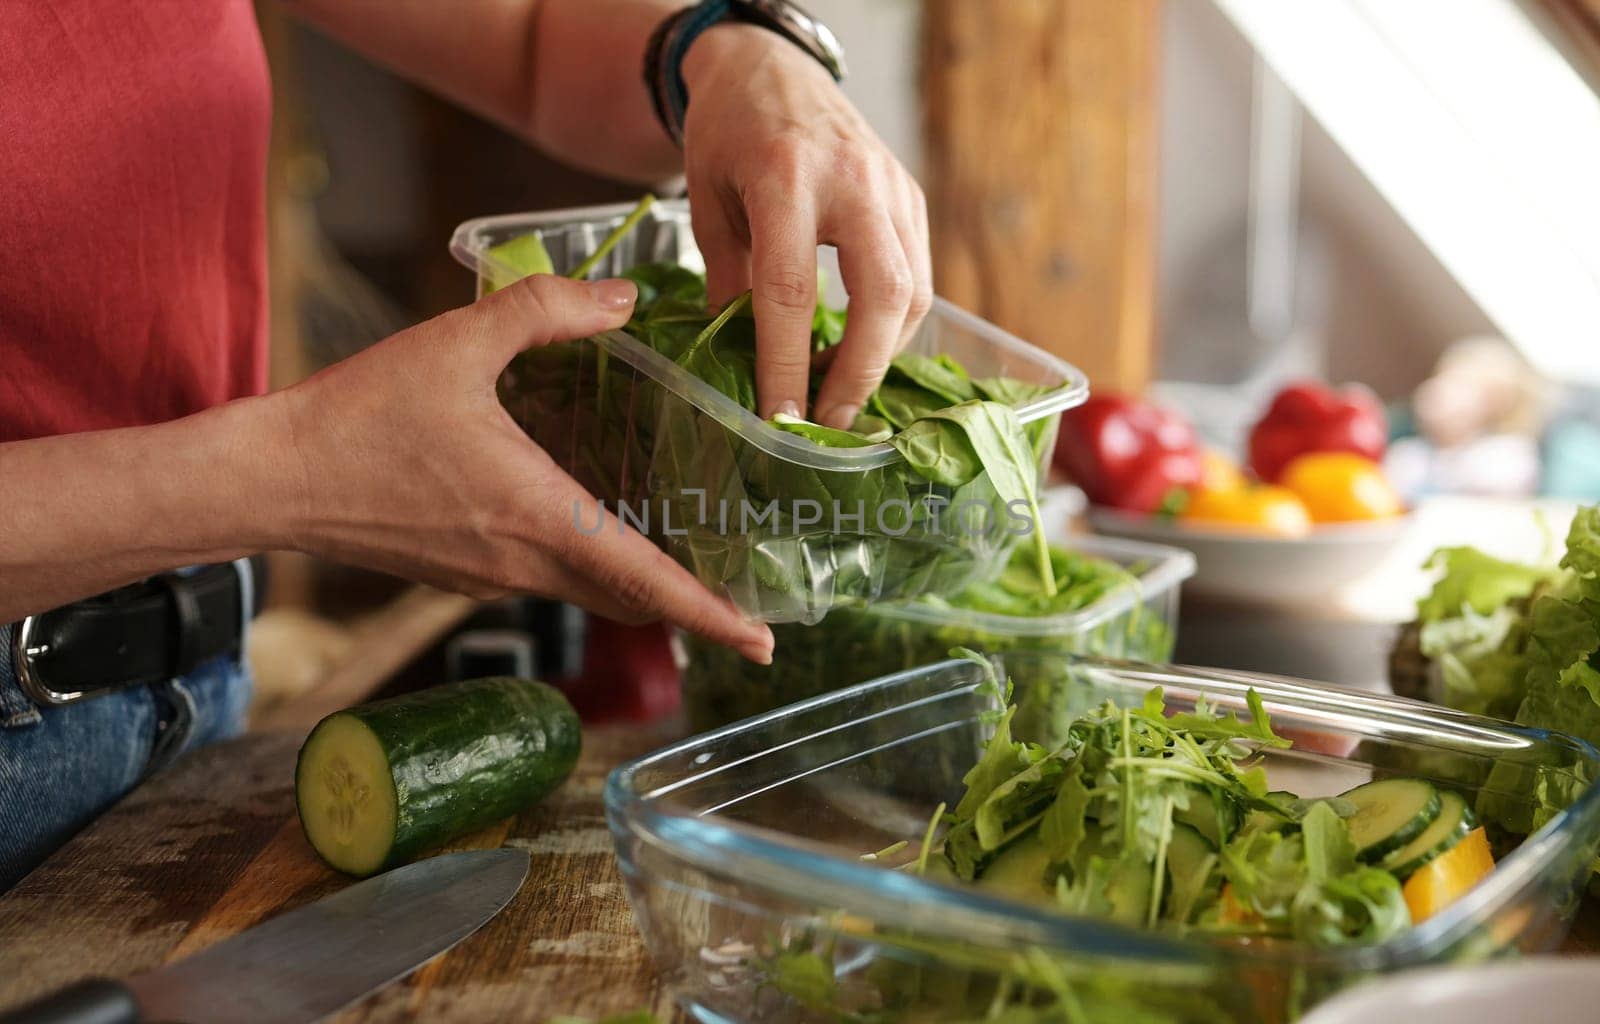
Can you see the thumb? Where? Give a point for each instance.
(544, 308)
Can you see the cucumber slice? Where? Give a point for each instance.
(1454, 821)
(1019, 870)
(378, 784)
(1389, 814)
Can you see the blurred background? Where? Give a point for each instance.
(1196, 201)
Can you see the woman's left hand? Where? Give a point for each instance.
(778, 161)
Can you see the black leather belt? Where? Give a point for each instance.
(160, 628)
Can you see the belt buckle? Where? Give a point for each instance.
(23, 651)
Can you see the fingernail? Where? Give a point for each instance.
(788, 409)
(615, 293)
(842, 417)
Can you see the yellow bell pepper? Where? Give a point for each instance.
(1339, 487)
(1445, 878)
(1255, 509)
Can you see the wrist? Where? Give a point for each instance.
(255, 499)
(731, 44)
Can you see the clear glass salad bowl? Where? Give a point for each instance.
(743, 854)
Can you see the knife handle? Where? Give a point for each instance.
(92, 1001)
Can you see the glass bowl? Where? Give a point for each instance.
(743, 850)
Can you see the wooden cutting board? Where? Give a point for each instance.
(212, 846)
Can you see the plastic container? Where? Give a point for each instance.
(639, 431)
(742, 851)
(1138, 620)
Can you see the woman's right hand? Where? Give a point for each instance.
(407, 463)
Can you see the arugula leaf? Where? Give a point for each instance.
(1365, 905)
(1065, 824)
(1002, 758)
(1016, 801)
(1202, 723)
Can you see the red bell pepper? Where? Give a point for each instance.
(1311, 417)
(1127, 453)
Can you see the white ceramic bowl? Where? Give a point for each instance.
(1254, 567)
(1542, 990)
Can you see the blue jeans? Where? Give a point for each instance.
(61, 766)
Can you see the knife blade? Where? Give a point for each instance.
(310, 962)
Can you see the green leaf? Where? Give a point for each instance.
(952, 445)
(1064, 825)
(667, 281)
(819, 434)
(513, 260)
(1364, 906)
(1008, 390)
(1002, 758)
(1472, 579)
(901, 405)
(942, 377)
(1329, 849)
(1019, 799)
(1203, 723)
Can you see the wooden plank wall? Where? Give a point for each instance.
(1040, 125)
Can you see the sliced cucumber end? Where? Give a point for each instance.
(346, 795)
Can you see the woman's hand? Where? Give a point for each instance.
(407, 463)
(778, 161)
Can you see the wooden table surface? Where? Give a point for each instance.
(212, 846)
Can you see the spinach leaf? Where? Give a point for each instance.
(952, 445)
(819, 434)
(942, 377)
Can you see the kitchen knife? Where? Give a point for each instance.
(308, 963)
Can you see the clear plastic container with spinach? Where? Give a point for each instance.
(929, 493)
(1114, 598)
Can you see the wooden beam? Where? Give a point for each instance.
(1040, 123)
(1578, 21)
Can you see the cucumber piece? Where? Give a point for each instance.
(378, 784)
(1019, 870)
(1454, 821)
(1389, 814)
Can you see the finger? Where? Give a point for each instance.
(783, 245)
(540, 309)
(725, 247)
(640, 581)
(911, 226)
(873, 264)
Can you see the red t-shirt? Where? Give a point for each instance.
(133, 147)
